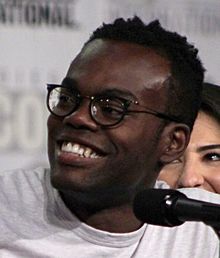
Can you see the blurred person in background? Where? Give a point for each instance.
(200, 164)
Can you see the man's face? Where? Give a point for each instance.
(120, 159)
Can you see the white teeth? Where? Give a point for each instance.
(94, 156)
(81, 151)
(69, 147)
(87, 152)
(78, 149)
(75, 148)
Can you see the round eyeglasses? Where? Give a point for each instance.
(104, 110)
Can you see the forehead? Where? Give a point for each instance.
(128, 66)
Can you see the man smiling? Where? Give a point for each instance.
(114, 123)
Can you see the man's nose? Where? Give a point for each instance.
(191, 176)
(81, 117)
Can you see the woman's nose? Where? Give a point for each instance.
(191, 176)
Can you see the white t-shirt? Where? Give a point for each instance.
(35, 223)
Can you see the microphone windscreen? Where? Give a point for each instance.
(149, 206)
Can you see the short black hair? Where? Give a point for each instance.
(185, 84)
(211, 100)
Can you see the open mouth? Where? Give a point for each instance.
(78, 149)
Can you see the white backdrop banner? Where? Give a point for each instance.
(39, 38)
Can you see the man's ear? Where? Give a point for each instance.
(174, 140)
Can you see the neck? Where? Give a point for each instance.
(116, 219)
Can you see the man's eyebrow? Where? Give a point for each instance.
(114, 91)
(209, 147)
(117, 93)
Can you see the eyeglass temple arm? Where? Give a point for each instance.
(157, 114)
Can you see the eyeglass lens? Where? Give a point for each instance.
(107, 110)
(61, 101)
(104, 110)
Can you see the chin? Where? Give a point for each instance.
(63, 182)
(67, 180)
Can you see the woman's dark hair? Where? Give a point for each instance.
(211, 100)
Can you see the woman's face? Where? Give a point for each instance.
(200, 164)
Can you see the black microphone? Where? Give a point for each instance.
(167, 207)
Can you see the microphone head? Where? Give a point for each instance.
(150, 207)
